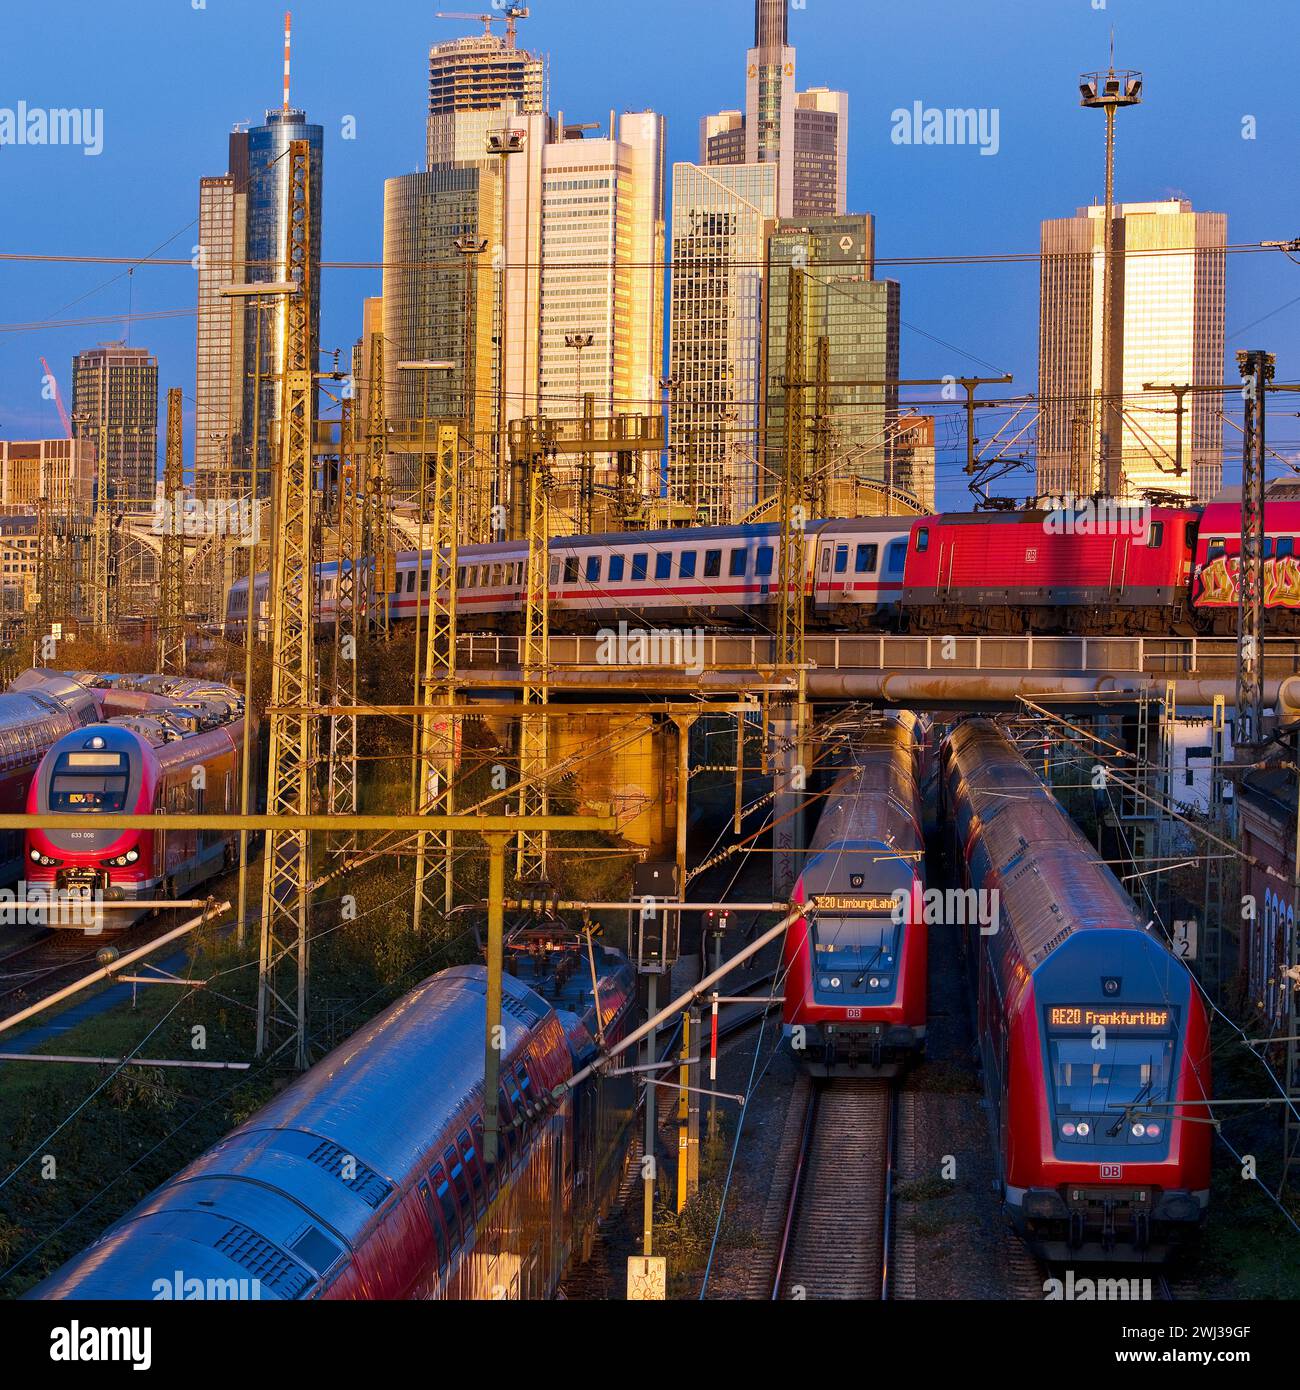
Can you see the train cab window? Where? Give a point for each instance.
(615, 568)
(1155, 535)
(460, 576)
(664, 565)
(89, 781)
(571, 569)
(1217, 548)
(763, 561)
(686, 565)
(639, 562)
(712, 564)
(553, 575)
(922, 540)
(894, 557)
(593, 569)
(736, 567)
(1285, 546)
(864, 562)
(841, 559)
(1088, 1081)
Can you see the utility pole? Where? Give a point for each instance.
(1108, 92)
(283, 966)
(171, 608)
(1256, 369)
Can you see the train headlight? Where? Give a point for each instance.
(826, 984)
(1083, 1129)
(1068, 1129)
(835, 982)
(35, 856)
(1138, 1130)
(874, 982)
(131, 856)
(1153, 1131)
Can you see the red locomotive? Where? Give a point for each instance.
(181, 759)
(854, 966)
(1093, 1037)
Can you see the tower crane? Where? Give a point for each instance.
(510, 13)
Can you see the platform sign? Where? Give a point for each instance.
(647, 1279)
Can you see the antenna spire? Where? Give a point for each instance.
(288, 22)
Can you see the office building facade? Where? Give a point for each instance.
(115, 407)
(857, 316)
(721, 219)
(1167, 328)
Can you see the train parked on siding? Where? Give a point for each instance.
(1123, 570)
(854, 965)
(180, 754)
(365, 1179)
(1093, 1037)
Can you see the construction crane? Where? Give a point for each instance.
(510, 13)
(58, 399)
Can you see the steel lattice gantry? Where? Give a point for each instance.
(171, 578)
(530, 863)
(1257, 371)
(282, 978)
(438, 729)
(342, 793)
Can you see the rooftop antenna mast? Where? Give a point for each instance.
(288, 25)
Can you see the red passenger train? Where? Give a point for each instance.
(1094, 1038)
(854, 966)
(1092, 568)
(181, 759)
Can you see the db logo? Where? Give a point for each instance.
(1113, 1171)
(852, 1013)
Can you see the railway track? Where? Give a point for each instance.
(837, 1235)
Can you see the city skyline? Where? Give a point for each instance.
(984, 317)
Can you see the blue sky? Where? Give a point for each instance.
(171, 76)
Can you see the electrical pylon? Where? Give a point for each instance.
(530, 859)
(375, 542)
(438, 744)
(171, 579)
(283, 977)
(342, 795)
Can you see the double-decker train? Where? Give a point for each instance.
(365, 1179)
(1094, 1039)
(38, 708)
(179, 754)
(854, 964)
(1094, 568)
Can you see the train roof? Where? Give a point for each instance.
(1019, 839)
(270, 1199)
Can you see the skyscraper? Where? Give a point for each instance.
(470, 80)
(115, 399)
(858, 317)
(1167, 329)
(219, 336)
(805, 134)
(720, 223)
(265, 240)
(602, 224)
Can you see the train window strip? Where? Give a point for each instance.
(435, 1223)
